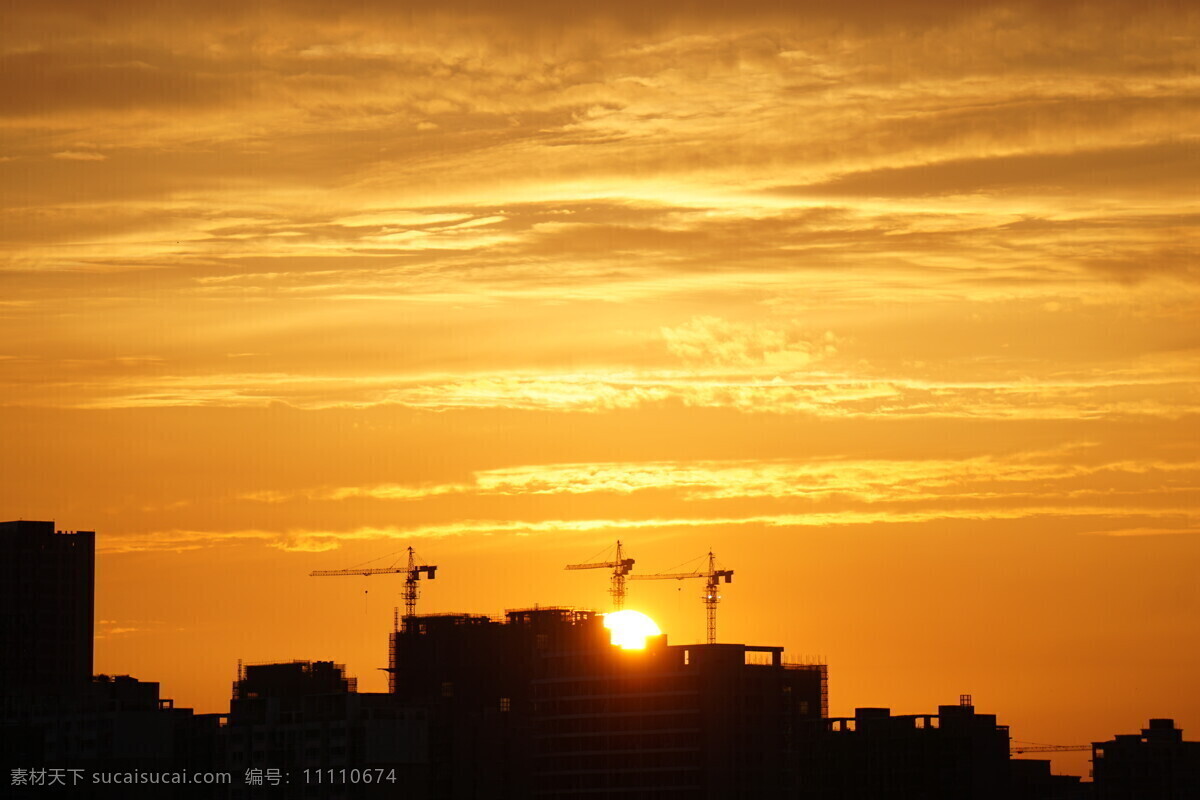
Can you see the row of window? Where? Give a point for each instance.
(625, 761)
(609, 743)
(617, 705)
(616, 723)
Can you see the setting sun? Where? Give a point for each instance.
(630, 629)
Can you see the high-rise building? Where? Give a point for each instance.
(307, 719)
(541, 704)
(53, 713)
(46, 607)
(1156, 764)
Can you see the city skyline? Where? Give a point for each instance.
(545, 700)
(893, 308)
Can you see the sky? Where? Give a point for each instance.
(892, 306)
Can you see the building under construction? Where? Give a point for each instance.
(539, 703)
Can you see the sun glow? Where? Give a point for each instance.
(630, 629)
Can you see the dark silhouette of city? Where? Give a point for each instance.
(537, 703)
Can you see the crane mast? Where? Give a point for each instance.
(621, 567)
(712, 595)
(412, 573)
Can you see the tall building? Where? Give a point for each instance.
(118, 722)
(712, 720)
(53, 713)
(46, 606)
(306, 718)
(540, 704)
(955, 754)
(1156, 764)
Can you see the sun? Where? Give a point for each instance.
(630, 629)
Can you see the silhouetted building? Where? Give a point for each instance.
(53, 713)
(1031, 779)
(117, 725)
(955, 754)
(474, 674)
(307, 719)
(536, 704)
(540, 704)
(1156, 764)
(122, 721)
(46, 608)
(693, 721)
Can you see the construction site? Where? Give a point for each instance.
(540, 702)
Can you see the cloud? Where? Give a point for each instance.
(90, 77)
(1145, 168)
(776, 382)
(180, 540)
(111, 628)
(1017, 480)
(933, 211)
(1164, 531)
(315, 541)
(80, 155)
(712, 340)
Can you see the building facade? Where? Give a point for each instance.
(306, 721)
(955, 754)
(47, 589)
(1156, 764)
(541, 704)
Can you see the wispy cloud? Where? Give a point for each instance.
(1166, 395)
(1062, 484)
(316, 541)
(111, 628)
(1163, 531)
(80, 155)
(714, 340)
(1020, 477)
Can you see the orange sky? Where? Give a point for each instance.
(892, 305)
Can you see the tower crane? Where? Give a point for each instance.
(621, 567)
(711, 596)
(412, 573)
